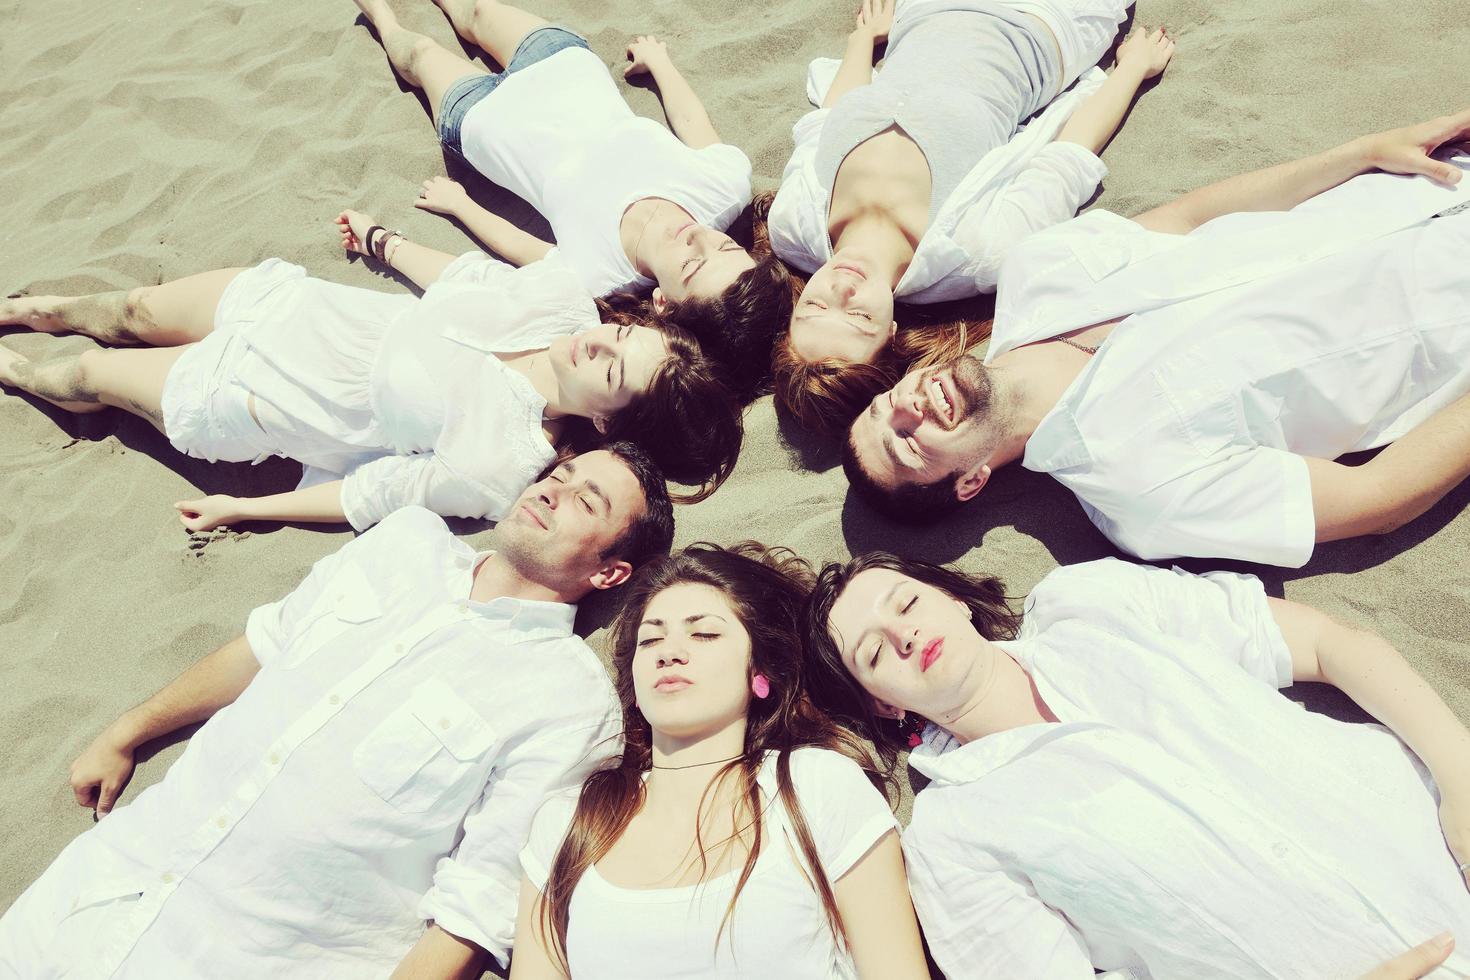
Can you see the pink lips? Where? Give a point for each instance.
(931, 653)
(671, 682)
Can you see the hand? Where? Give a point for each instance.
(1406, 150)
(644, 53)
(99, 775)
(874, 20)
(1417, 962)
(354, 225)
(208, 513)
(1146, 52)
(442, 196)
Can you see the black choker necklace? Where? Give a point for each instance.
(696, 765)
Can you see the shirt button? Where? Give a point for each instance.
(334, 699)
(221, 823)
(167, 877)
(398, 648)
(275, 758)
(1280, 849)
(443, 722)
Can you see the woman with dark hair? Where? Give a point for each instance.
(455, 401)
(911, 185)
(736, 835)
(634, 207)
(1117, 784)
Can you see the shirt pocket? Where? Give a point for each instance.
(348, 601)
(426, 751)
(1206, 413)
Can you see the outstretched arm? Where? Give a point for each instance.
(1399, 151)
(444, 196)
(1370, 671)
(441, 956)
(423, 265)
(1396, 486)
(1140, 57)
(99, 775)
(321, 504)
(874, 20)
(687, 116)
(873, 898)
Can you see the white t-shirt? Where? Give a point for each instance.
(1257, 340)
(559, 134)
(1182, 819)
(779, 927)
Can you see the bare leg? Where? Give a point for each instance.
(89, 382)
(498, 28)
(173, 313)
(423, 62)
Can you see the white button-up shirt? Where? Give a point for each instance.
(1018, 188)
(1182, 819)
(1254, 341)
(381, 770)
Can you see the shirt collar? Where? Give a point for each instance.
(542, 619)
(942, 759)
(1057, 443)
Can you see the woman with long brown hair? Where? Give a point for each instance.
(1116, 783)
(455, 401)
(736, 834)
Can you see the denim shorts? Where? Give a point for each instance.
(466, 93)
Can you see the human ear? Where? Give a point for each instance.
(611, 576)
(893, 330)
(885, 710)
(600, 423)
(660, 302)
(972, 482)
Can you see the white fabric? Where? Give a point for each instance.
(1183, 819)
(778, 929)
(403, 398)
(1026, 185)
(1257, 340)
(559, 134)
(381, 770)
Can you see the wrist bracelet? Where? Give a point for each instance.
(383, 242)
(367, 240)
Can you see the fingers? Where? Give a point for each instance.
(107, 797)
(84, 790)
(1417, 962)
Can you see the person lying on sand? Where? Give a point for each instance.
(1193, 374)
(454, 401)
(373, 751)
(739, 834)
(1117, 784)
(633, 207)
(912, 185)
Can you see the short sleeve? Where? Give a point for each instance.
(845, 812)
(477, 268)
(980, 918)
(1047, 192)
(377, 488)
(476, 889)
(796, 222)
(340, 578)
(1246, 504)
(548, 830)
(1223, 613)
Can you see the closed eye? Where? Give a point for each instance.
(586, 502)
(706, 636)
(907, 606)
(649, 641)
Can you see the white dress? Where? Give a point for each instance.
(559, 134)
(779, 927)
(403, 398)
(1254, 341)
(1182, 819)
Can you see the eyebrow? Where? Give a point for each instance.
(687, 619)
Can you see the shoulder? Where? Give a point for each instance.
(828, 781)
(405, 532)
(1083, 591)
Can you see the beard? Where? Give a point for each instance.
(971, 383)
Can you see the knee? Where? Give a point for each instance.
(135, 305)
(420, 49)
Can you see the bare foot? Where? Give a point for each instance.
(16, 369)
(35, 312)
(9, 361)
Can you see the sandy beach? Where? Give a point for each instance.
(144, 142)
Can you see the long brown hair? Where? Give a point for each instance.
(767, 588)
(688, 421)
(829, 682)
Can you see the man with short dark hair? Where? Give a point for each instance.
(374, 748)
(1193, 380)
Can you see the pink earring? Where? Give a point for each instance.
(760, 687)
